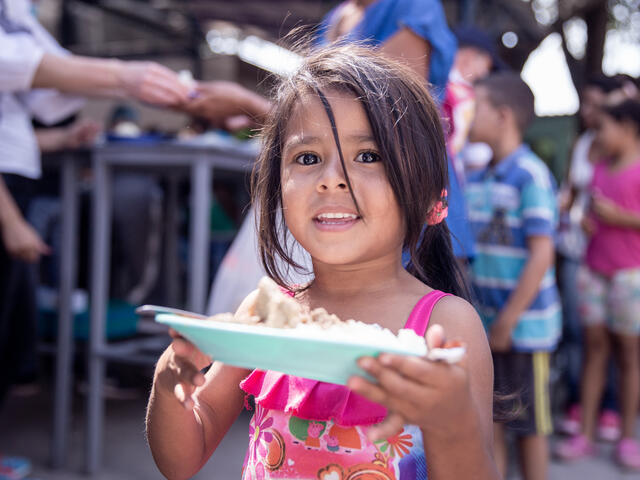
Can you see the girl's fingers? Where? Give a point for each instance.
(174, 334)
(389, 398)
(390, 426)
(188, 373)
(391, 380)
(183, 348)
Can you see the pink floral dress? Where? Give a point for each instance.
(306, 429)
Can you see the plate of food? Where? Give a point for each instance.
(280, 335)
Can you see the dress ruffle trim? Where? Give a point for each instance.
(311, 399)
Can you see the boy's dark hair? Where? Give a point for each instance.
(406, 126)
(626, 111)
(507, 89)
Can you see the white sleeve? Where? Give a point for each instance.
(23, 42)
(20, 56)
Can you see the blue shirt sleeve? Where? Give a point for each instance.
(426, 18)
(538, 207)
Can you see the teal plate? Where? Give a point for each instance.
(282, 350)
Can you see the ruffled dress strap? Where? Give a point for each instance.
(320, 401)
(418, 320)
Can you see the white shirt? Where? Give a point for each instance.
(23, 42)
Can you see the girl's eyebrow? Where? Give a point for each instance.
(301, 140)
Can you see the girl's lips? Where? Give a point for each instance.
(335, 224)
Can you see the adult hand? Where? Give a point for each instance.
(22, 241)
(435, 396)
(153, 83)
(81, 133)
(227, 105)
(179, 369)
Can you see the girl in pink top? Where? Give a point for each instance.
(354, 162)
(609, 283)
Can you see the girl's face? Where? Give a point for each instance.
(610, 134)
(317, 205)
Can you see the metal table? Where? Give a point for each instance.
(69, 162)
(199, 161)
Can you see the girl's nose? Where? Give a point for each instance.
(332, 176)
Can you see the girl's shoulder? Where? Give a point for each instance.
(459, 319)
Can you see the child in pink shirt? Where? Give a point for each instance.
(609, 283)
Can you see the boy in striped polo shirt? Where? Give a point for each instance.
(512, 208)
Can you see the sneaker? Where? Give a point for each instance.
(570, 424)
(609, 426)
(628, 454)
(575, 448)
(14, 468)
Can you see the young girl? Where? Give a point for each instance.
(354, 161)
(609, 285)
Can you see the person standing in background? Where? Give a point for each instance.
(609, 284)
(415, 32)
(572, 242)
(512, 206)
(475, 59)
(34, 70)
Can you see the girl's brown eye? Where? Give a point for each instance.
(368, 157)
(307, 159)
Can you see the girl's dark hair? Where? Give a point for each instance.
(406, 125)
(626, 111)
(603, 82)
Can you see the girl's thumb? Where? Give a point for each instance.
(435, 337)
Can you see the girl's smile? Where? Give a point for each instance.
(335, 219)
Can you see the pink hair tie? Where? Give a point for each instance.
(440, 210)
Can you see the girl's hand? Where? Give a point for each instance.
(607, 211)
(431, 395)
(179, 369)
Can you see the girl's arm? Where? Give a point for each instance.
(452, 404)
(613, 214)
(188, 413)
(466, 450)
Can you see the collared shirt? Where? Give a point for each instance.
(508, 203)
(23, 42)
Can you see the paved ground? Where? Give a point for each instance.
(25, 430)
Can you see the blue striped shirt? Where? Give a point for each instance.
(508, 203)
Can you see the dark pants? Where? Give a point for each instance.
(18, 312)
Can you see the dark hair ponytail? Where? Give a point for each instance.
(435, 263)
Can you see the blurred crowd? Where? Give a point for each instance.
(554, 265)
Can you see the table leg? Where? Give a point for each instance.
(171, 243)
(100, 254)
(68, 272)
(201, 176)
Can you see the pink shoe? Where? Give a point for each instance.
(570, 424)
(575, 448)
(609, 426)
(628, 454)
